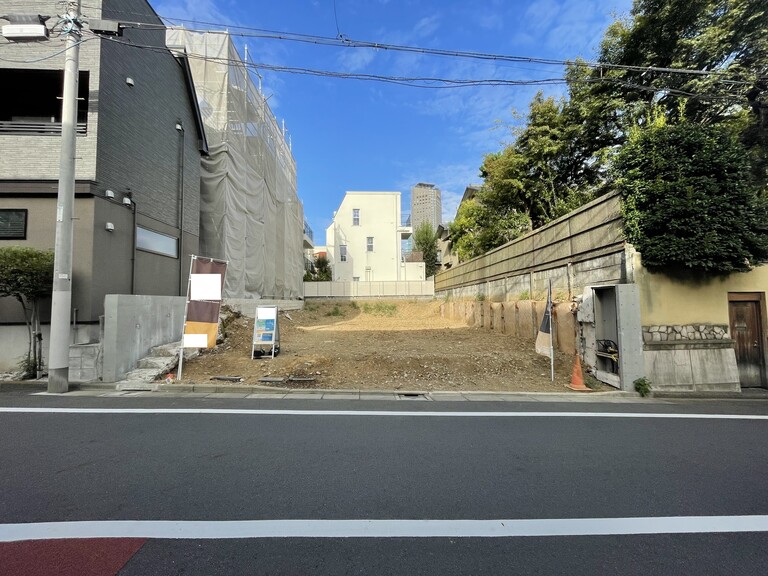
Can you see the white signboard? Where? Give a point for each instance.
(266, 331)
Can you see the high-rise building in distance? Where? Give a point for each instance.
(426, 205)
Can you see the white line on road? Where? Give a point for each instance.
(256, 412)
(203, 530)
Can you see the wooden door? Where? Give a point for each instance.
(746, 331)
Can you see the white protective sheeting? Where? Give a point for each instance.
(250, 214)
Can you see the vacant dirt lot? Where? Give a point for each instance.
(381, 345)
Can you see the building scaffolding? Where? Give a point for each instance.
(250, 213)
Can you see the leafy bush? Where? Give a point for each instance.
(26, 274)
(642, 386)
(689, 205)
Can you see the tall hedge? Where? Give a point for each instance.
(689, 203)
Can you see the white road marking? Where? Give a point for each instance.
(398, 413)
(204, 530)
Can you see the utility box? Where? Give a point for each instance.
(612, 334)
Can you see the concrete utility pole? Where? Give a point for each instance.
(61, 306)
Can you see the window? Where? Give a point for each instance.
(355, 216)
(343, 253)
(369, 243)
(151, 241)
(355, 278)
(13, 224)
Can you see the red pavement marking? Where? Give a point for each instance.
(75, 557)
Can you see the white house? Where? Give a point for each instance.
(364, 240)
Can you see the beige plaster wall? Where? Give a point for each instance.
(667, 301)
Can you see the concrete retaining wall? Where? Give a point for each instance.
(518, 319)
(133, 325)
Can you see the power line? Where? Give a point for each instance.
(426, 82)
(343, 42)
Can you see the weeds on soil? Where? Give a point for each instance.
(335, 311)
(380, 309)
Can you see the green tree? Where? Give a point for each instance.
(322, 269)
(425, 241)
(478, 228)
(26, 274)
(545, 172)
(695, 62)
(724, 40)
(689, 205)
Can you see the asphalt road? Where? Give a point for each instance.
(507, 488)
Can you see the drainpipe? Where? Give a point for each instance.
(133, 249)
(180, 130)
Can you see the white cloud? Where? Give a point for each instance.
(427, 26)
(198, 10)
(356, 59)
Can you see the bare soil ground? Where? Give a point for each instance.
(394, 345)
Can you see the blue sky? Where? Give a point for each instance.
(363, 135)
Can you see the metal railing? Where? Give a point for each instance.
(38, 128)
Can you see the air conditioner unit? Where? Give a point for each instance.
(109, 194)
(25, 31)
(127, 201)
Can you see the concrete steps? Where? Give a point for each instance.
(162, 359)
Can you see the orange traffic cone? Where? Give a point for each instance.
(577, 379)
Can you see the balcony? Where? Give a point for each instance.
(32, 102)
(38, 128)
(405, 229)
(308, 236)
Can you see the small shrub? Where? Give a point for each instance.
(480, 297)
(524, 295)
(642, 386)
(354, 305)
(380, 309)
(335, 311)
(27, 367)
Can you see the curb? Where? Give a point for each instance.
(285, 393)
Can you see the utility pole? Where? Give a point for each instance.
(61, 305)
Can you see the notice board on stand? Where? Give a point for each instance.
(266, 332)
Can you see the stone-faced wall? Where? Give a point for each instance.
(662, 333)
(690, 357)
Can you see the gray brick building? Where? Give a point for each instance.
(139, 145)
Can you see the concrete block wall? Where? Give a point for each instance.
(85, 362)
(374, 289)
